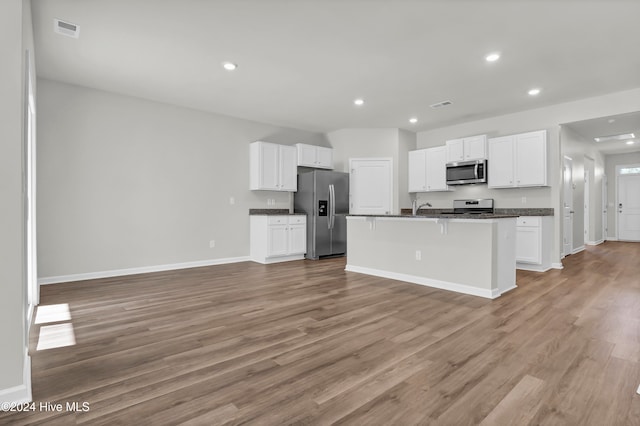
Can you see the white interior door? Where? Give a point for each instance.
(567, 209)
(629, 207)
(370, 183)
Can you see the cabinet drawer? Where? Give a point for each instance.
(277, 220)
(297, 219)
(533, 221)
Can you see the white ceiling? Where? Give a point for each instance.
(302, 63)
(610, 126)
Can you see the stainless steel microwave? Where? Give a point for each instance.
(464, 172)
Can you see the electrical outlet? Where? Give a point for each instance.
(524, 200)
(212, 243)
(232, 200)
(418, 254)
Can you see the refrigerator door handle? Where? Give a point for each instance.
(332, 206)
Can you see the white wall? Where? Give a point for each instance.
(129, 183)
(548, 118)
(611, 161)
(387, 142)
(406, 143)
(15, 36)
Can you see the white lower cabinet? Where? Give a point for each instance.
(533, 242)
(277, 238)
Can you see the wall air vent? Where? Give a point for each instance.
(66, 28)
(441, 104)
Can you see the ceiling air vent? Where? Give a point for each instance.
(441, 104)
(66, 28)
(615, 137)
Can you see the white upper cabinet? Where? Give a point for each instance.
(427, 170)
(501, 162)
(314, 156)
(531, 159)
(418, 170)
(467, 149)
(518, 160)
(273, 167)
(455, 150)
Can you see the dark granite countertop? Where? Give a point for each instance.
(448, 215)
(273, 212)
(508, 212)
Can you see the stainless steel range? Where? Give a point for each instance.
(469, 207)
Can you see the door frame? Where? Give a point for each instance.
(29, 193)
(589, 171)
(567, 230)
(617, 194)
(605, 208)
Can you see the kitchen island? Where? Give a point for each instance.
(471, 254)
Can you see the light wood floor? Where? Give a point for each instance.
(307, 343)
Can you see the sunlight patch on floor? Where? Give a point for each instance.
(56, 336)
(53, 313)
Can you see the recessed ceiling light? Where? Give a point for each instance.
(413, 120)
(615, 137)
(229, 66)
(359, 102)
(534, 92)
(492, 57)
(630, 142)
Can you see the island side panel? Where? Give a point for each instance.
(504, 275)
(458, 256)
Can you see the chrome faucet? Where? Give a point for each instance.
(415, 207)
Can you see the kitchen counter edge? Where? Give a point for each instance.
(273, 212)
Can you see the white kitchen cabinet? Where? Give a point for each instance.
(528, 240)
(314, 156)
(427, 170)
(277, 238)
(533, 242)
(518, 160)
(501, 162)
(467, 149)
(273, 167)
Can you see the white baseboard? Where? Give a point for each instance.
(141, 270)
(594, 243)
(21, 393)
(268, 261)
(612, 239)
(533, 268)
(443, 285)
(577, 250)
(557, 266)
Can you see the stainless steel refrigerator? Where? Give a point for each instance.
(324, 196)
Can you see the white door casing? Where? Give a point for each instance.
(587, 204)
(567, 207)
(605, 218)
